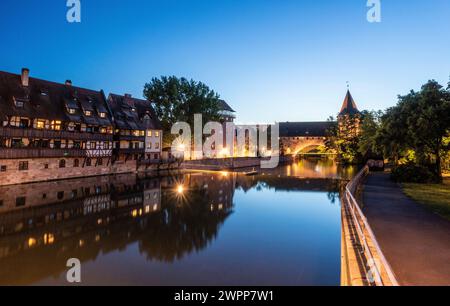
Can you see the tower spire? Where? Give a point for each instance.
(349, 106)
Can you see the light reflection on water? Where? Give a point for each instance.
(281, 227)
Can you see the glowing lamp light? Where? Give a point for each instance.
(31, 242)
(180, 189)
(224, 152)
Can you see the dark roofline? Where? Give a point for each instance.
(225, 106)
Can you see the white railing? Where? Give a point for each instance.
(381, 271)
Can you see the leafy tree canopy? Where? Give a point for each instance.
(178, 99)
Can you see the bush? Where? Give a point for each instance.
(412, 173)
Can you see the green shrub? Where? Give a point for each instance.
(412, 173)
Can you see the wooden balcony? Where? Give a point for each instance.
(129, 138)
(129, 151)
(23, 153)
(10, 132)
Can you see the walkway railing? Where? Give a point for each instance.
(380, 271)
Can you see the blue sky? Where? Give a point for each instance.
(272, 60)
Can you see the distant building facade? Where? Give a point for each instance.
(51, 131)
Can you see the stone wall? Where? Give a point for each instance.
(49, 169)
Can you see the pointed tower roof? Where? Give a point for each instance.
(349, 106)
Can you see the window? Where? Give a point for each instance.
(19, 102)
(100, 162)
(23, 166)
(40, 124)
(55, 125)
(57, 144)
(45, 166)
(60, 195)
(44, 195)
(149, 133)
(21, 201)
(76, 163)
(88, 113)
(3, 169)
(136, 133)
(15, 121)
(156, 134)
(142, 133)
(93, 145)
(74, 193)
(88, 162)
(157, 145)
(149, 145)
(102, 115)
(1, 203)
(62, 163)
(72, 111)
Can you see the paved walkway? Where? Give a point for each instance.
(415, 241)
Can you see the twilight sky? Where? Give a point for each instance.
(272, 60)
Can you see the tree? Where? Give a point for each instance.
(368, 145)
(178, 99)
(419, 122)
(429, 120)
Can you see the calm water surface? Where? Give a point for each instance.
(281, 227)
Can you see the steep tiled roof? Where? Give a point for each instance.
(305, 129)
(49, 100)
(225, 107)
(133, 114)
(349, 106)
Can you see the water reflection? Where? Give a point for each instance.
(170, 221)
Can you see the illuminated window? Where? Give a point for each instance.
(40, 124)
(88, 113)
(136, 133)
(72, 111)
(55, 125)
(142, 133)
(103, 130)
(156, 134)
(102, 115)
(149, 133)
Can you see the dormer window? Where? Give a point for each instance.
(102, 115)
(88, 113)
(19, 103)
(72, 111)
